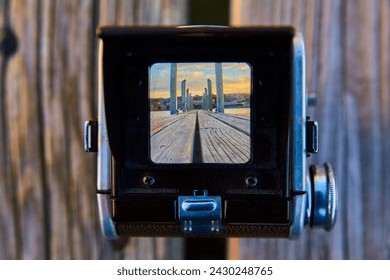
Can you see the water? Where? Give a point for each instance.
(158, 115)
(238, 111)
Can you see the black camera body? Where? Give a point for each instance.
(202, 131)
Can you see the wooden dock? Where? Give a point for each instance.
(201, 136)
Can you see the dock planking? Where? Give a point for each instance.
(172, 138)
(239, 122)
(159, 124)
(222, 138)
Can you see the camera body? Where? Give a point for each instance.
(202, 131)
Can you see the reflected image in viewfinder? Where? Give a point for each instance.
(200, 113)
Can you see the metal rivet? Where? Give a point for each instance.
(251, 181)
(149, 180)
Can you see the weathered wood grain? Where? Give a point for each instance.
(68, 93)
(222, 138)
(143, 12)
(347, 48)
(24, 138)
(150, 12)
(364, 84)
(221, 142)
(174, 143)
(9, 233)
(239, 122)
(158, 124)
(48, 206)
(48, 88)
(384, 57)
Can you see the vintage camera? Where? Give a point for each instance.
(202, 131)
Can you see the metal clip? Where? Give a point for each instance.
(311, 137)
(200, 213)
(91, 136)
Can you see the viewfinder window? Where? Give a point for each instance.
(200, 113)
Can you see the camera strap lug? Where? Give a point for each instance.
(91, 136)
(200, 213)
(311, 137)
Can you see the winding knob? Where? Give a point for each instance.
(323, 196)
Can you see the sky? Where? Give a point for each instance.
(236, 78)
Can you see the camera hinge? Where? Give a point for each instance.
(200, 213)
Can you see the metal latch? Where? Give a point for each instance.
(91, 136)
(311, 137)
(200, 213)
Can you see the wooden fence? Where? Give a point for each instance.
(348, 66)
(48, 88)
(47, 182)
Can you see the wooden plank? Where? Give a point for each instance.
(174, 142)
(158, 124)
(363, 84)
(384, 59)
(354, 186)
(239, 122)
(223, 138)
(48, 207)
(9, 232)
(347, 46)
(66, 69)
(24, 154)
(141, 12)
(329, 82)
(220, 142)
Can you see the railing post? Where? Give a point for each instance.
(206, 99)
(210, 92)
(187, 99)
(191, 100)
(173, 88)
(183, 95)
(219, 85)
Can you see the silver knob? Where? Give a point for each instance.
(323, 196)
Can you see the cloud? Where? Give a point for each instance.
(236, 78)
(237, 85)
